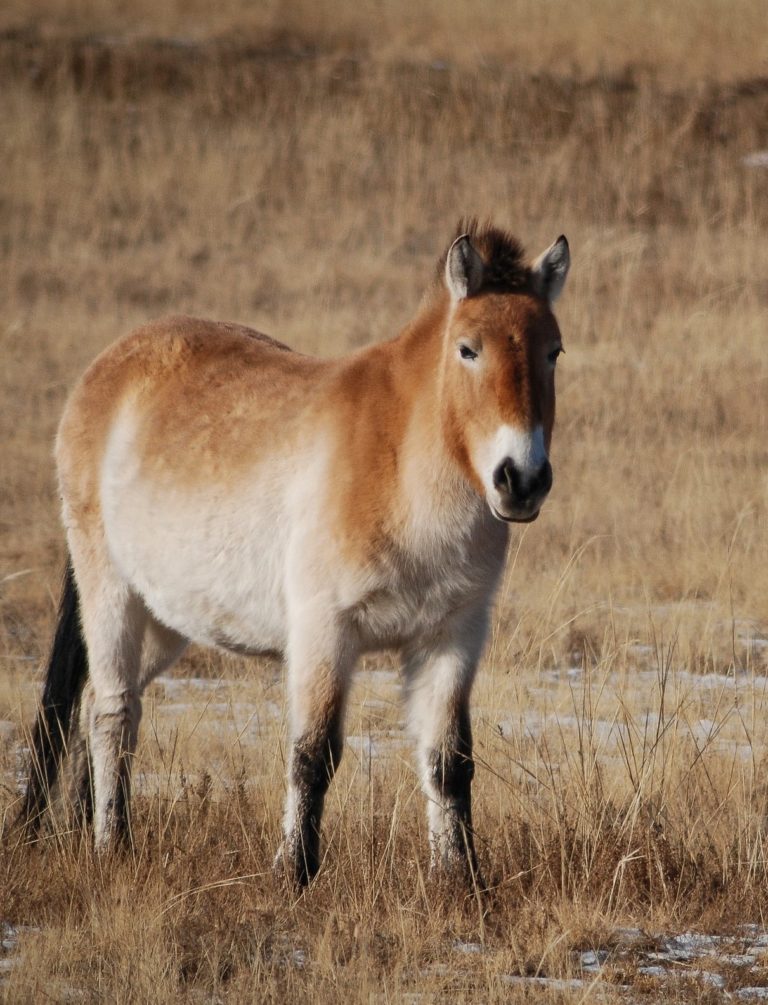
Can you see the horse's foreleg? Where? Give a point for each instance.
(439, 686)
(447, 770)
(317, 693)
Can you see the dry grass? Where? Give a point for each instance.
(302, 176)
(691, 40)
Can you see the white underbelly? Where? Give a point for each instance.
(208, 561)
(213, 579)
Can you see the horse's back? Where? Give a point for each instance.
(201, 396)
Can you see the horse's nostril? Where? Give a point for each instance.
(508, 480)
(504, 476)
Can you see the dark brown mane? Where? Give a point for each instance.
(505, 268)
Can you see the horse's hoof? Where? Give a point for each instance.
(291, 870)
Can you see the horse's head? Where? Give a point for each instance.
(500, 349)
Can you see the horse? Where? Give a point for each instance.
(219, 488)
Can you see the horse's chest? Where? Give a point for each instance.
(407, 604)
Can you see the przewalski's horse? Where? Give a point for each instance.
(219, 488)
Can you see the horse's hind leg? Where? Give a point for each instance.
(161, 649)
(114, 619)
(80, 780)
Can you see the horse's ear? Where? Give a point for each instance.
(550, 269)
(463, 269)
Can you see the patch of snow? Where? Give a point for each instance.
(662, 973)
(376, 744)
(558, 674)
(535, 724)
(593, 960)
(243, 713)
(379, 676)
(467, 947)
(553, 983)
(652, 970)
(10, 934)
(710, 680)
(695, 943)
(640, 649)
(738, 959)
(173, 685)
(758, 937)
(675, 957)
(758, 159)
(374, 704)
(707, 977)
(299, 958)
(438, 969)
(9, 943)
(629, 934)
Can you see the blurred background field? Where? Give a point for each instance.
(300, 170)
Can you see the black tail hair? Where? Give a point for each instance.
(67, 672)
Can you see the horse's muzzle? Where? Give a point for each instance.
(520, 494)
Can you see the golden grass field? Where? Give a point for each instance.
(301, 172)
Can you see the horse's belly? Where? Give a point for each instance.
(209, 568)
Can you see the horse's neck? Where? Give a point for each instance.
(435, 500)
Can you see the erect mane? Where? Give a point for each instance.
(505, 269)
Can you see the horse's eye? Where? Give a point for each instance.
(466, 352)
(552, 357)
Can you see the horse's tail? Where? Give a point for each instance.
(66, 675)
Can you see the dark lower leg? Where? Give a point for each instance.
(451, 770)
(314, 758)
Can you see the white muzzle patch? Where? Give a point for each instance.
(525, 448)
